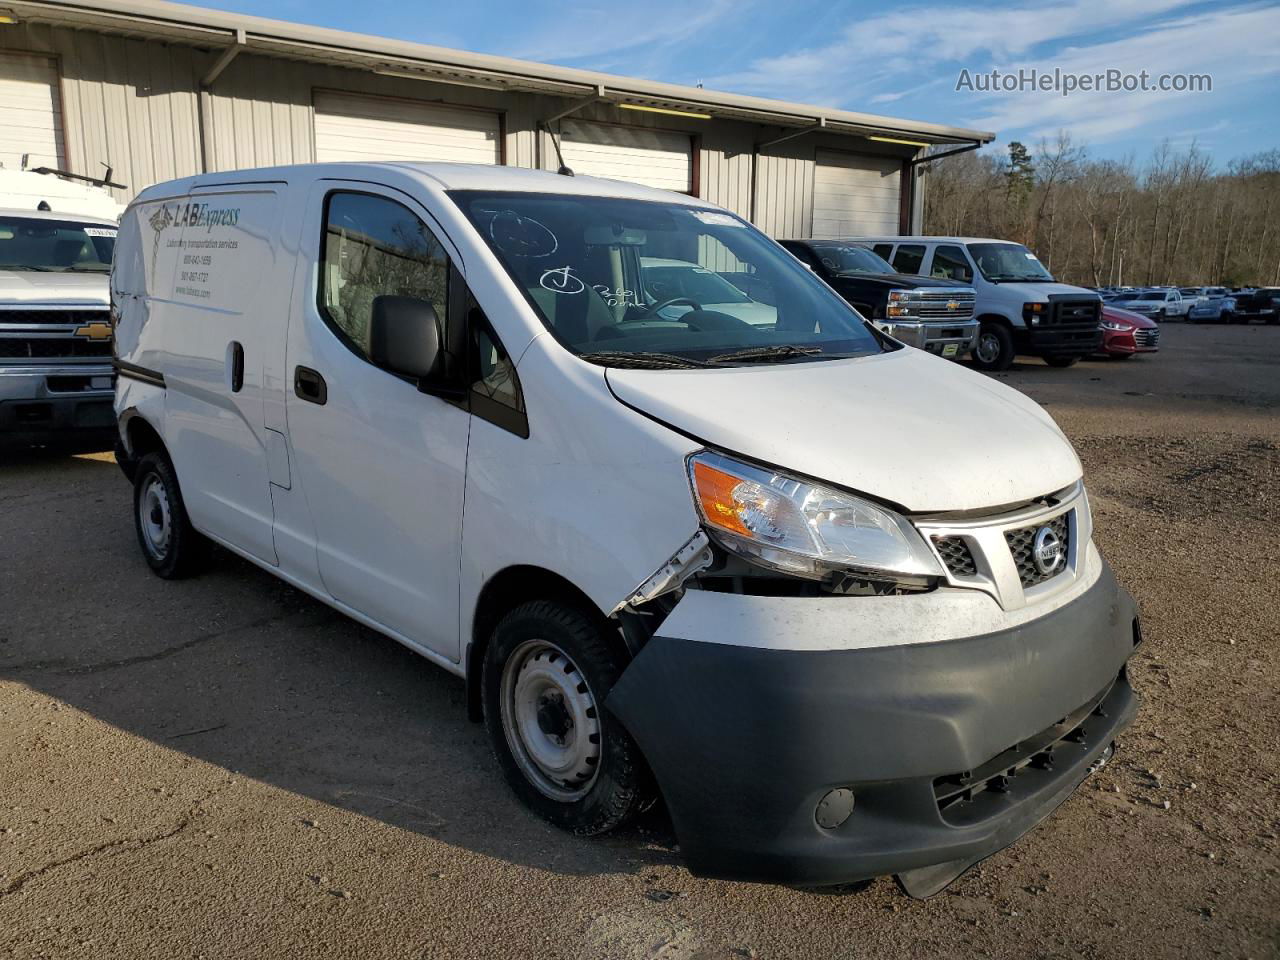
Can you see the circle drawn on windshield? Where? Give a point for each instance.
(561, 280)
(521, 236)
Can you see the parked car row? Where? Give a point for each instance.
(1207, 304)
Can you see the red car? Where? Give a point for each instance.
(1125, 333)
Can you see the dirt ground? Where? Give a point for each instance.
(225, 768)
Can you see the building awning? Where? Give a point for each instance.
(214, 30)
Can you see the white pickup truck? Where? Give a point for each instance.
(56, 241)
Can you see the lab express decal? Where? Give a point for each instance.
(213, 252)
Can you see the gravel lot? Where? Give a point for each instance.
(225, 768)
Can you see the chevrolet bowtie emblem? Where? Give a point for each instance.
(94, 331)
(953, 305)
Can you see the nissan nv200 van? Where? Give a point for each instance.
(1020, 307)
(748, 560)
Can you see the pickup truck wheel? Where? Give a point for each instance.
(171, 546)
(547, 671)
(994, 348)
(1058, 361)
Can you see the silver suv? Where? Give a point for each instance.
(55, 330)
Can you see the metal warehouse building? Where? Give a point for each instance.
(159, 90)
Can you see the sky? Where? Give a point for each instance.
(904, 59)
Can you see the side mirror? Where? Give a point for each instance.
(404, 336)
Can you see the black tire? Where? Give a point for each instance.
(1059, 361)
(178, 551)
(997, 352)
(620, 785)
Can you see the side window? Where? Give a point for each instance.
(882, 250)
(495, 387)
(374, 246)
(909, 257)
(950, 263)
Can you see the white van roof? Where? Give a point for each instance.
(57, 215)
(447, 176)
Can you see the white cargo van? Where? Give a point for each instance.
(749, 560)
(1020, 307)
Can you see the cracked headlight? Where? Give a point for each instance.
(802, 528)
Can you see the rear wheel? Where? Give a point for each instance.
(994, 349)
(547, 671)
(1057, 361)
(171, 546)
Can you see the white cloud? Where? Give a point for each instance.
(606, 35)
(1204, 43)
(882, 59)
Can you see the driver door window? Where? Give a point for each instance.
(374, 246)
(950, 263)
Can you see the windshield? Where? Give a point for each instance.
(1008, 262)
(665, 279)
(36, 243)
(1159, 295)
(637, 283)
(845, 258)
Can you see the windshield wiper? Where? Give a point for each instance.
(26, 266)
(764, 354)
(647, 359)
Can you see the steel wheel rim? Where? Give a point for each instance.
(155, 517)
(988, 347)
(551, 721)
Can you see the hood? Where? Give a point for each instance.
(31, 286)
(904, 280)
(1128, 316)
(904, 427)
(1140, 306)
(1034, 290)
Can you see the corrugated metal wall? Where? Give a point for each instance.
(136, 104)
(130, 103)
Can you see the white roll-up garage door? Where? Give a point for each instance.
(30, 112)
(655, 158)
(354, 127)
(856, 195)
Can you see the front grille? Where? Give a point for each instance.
(1073, 314)
(956, 555)
(933, 305)
(975, 795)
(99, 315)
(1146, 338)
(1022, 546)
(41, 348)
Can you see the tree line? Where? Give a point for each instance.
(1173, 220)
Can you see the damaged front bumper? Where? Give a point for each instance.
(951, 748)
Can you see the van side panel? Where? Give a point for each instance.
(207, 313)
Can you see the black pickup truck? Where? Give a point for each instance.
(934, 315)
(1261, 304)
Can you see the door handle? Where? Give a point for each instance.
(237, 366)
(308, 385)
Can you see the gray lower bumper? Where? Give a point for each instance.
(40, 402)
(744, 743)
(934, 336)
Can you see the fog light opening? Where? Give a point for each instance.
(834, 808)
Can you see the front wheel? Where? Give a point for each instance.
(547, 671)
(171, 546)
(1060, 361)
(994, 349)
